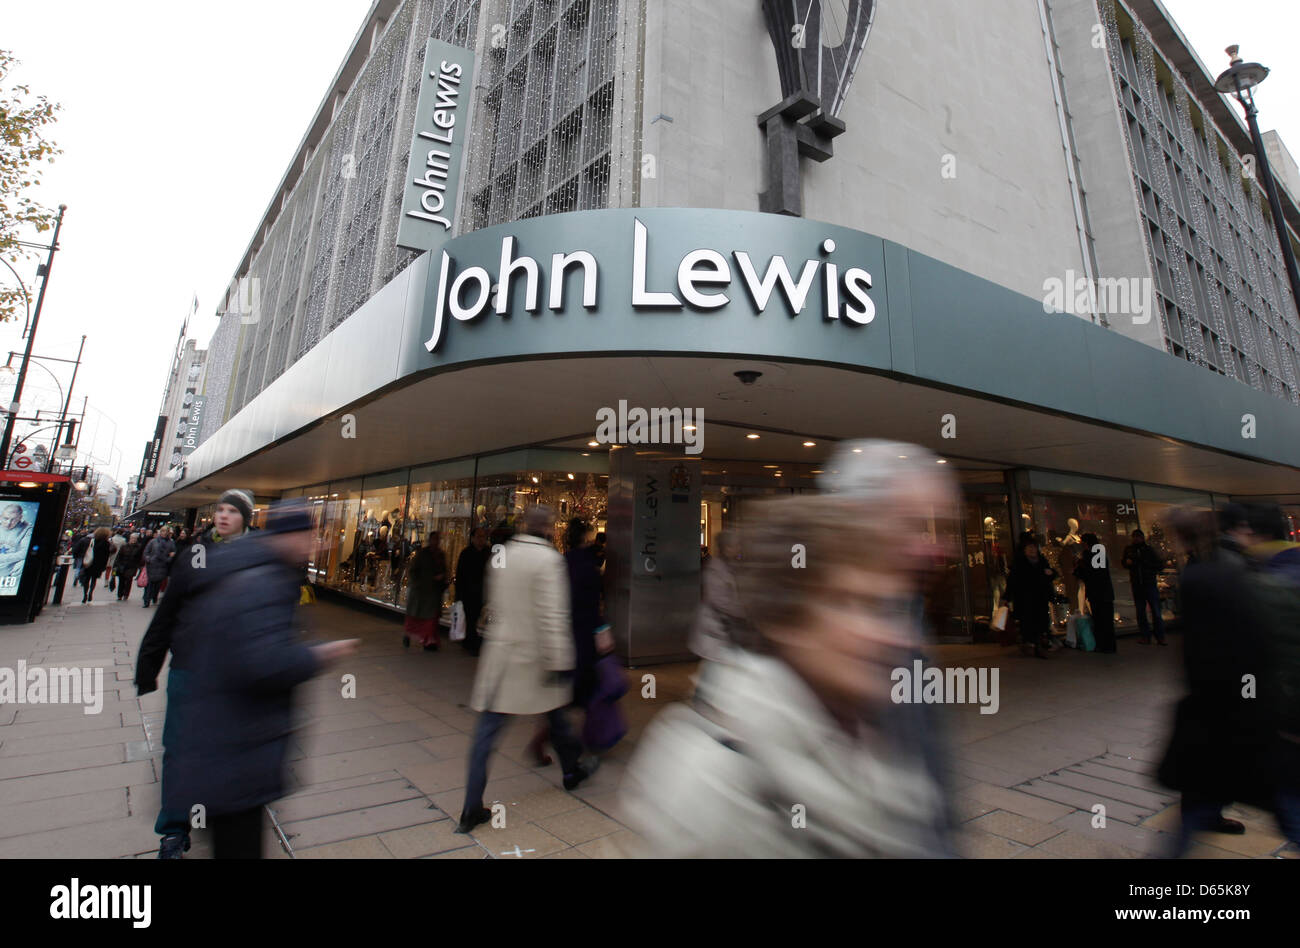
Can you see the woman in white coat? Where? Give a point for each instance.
(794, 746)
(527, 662)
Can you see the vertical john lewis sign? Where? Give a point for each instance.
(437, 147)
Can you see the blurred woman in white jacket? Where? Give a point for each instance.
(793, 747)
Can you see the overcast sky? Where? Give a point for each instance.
(179, 119)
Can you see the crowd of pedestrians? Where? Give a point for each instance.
(793, 710)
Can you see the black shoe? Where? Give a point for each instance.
(571, 781)
(1231, 827)
(406, 641)
(431, 648)
(470, 820)
(174, 847)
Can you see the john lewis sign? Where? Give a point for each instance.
(438, 147)
(627, 264)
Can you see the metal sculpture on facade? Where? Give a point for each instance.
(818, 44)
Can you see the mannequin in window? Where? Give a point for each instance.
(1071, 544)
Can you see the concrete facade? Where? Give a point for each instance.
(937, 79)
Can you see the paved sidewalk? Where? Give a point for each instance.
(382, 774)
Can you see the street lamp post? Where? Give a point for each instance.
(1238, 80)
(31, 337)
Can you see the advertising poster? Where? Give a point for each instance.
(16, 520)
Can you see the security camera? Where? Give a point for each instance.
(748, 376)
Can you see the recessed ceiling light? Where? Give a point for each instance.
(593, 444)
(585, 454)
(771, 467)
(810, 444)
(902, 457)
(819, 472)
(942, 461)
(776, 473)
(534, 478)
(857, 450)
(752, 437)
(570, 477)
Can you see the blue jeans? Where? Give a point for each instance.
(173, 823)
(1142, 598)
(485, 737)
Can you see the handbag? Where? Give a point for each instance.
(142, 578)
(89, 556)
(1000, 618)
(458, 621)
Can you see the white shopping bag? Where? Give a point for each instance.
(457, 621)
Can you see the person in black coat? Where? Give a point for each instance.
(1220, 748)
(78, 553)
(100, 550)
(127, 565)
(1099, 589)
(1144, 566)
(244, 660)
(471, 567)
(1030, 588)
(585, 592)
(233, 512)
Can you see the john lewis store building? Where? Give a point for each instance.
(627, 239)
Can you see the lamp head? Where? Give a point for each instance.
(1239, 76)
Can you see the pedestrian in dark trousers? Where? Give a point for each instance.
(79, 545)
(1093, 570)
(239, 644)
(426, 581)
(1030, 588)
(158, 555)
(100, 550)
(471, 567)
(527, 661)
(1143, 567)
(233, 512)
(127, 566)
(1219, 751)
(586, 617)
(1276, 575)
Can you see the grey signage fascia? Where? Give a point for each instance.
(935, 324)
(432, 189)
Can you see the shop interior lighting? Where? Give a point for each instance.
(752, 437)
(856, 451)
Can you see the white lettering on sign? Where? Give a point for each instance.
(469, 293)
(437, 163)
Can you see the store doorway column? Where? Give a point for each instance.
(652, 564)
